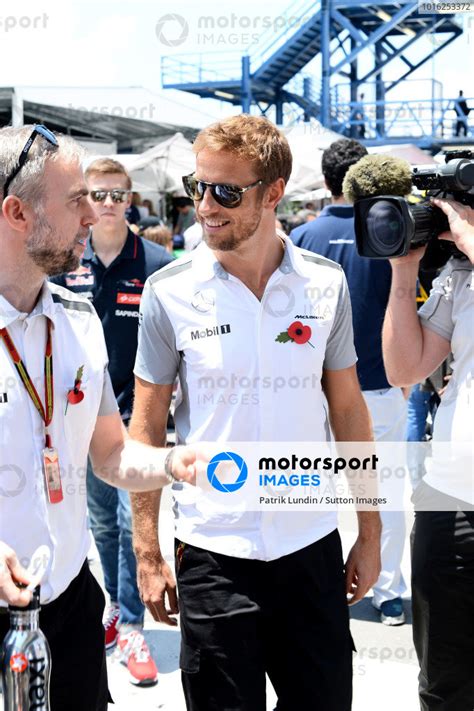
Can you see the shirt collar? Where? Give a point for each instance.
(129, 249)
(206, 266)
(44, 306)
(293, 260)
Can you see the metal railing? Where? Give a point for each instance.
(197, 68)
(226, 66)
(289, 22)
(433, 118)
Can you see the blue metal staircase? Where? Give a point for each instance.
(336, 32)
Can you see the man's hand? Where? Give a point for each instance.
(461, 223)
(184, 462)
(154, 580)
(12, 572)
(362, 567)
(413, 257)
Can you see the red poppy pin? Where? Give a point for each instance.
(296, 333)
(76, 395)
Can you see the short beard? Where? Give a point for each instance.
(245, 231)
(39, 248)
(53, 263)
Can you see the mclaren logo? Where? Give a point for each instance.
(203, 301)
(206, 332)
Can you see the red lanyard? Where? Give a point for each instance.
(46, 413)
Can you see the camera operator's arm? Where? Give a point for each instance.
(461, 223)
(410, 351)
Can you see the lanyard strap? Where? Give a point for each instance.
(46, 413)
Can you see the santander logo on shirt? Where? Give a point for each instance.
(131, 299)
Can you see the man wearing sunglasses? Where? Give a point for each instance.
(112, 274)
(259, 592)
(56, 405)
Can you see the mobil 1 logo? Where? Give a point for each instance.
(208, 332)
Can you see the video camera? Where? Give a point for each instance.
(387, 225)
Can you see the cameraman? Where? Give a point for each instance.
(414, 344)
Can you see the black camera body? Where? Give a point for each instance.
(389, 226)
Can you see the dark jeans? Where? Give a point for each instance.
(288, 617)
(443, 608)
(73, 627)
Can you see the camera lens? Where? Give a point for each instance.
(385, 228)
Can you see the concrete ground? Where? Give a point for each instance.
(385, 666)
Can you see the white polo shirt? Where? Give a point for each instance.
(449, 312)
(239, 383)
(27, 520)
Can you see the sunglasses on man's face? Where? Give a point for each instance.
(225, 195)
(38, 130)
(116, 195)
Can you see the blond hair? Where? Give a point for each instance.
(251, 138)
(159, 235)
(108, 166)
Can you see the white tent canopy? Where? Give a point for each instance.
(159, 169)
(308, 142)
(167, 162)
(143, 181)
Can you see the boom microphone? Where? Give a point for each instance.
(377, 175)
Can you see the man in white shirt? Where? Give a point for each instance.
(414, 345)
(56, 405)
(259, 592)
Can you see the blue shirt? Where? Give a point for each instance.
(116, 292)
(332, 235)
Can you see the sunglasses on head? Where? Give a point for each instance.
(225, 195)
(116, 195)
(38, 130)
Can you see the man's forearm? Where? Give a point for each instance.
(135, 466)
(370, 525)
(354, 425)
(402, 334)
(146, 506)
(145, 514)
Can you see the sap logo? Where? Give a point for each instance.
(206, 332)
(124, 312)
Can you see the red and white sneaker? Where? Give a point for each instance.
(110, 621)
(133, 652)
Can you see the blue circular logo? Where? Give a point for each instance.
(227, 457)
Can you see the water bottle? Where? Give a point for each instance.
(26, 660)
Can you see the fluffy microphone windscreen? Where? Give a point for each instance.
(377, 175)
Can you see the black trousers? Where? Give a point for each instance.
(443, 608)
(73, 627)
(288, 617)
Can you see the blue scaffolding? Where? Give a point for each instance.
(336, 33)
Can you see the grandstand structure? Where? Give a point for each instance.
(316, 67)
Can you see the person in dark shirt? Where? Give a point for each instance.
(462, 112)
(112, 273)
(332, 235)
